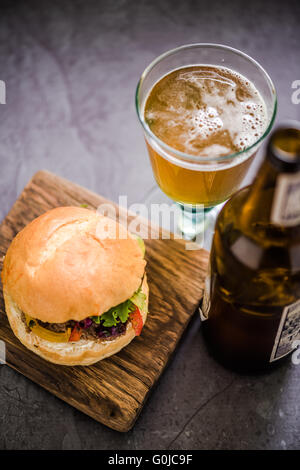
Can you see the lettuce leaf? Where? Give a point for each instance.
(140, 242)
(115, 314)
(139, 299)
(121, 312)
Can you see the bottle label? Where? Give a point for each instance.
(286, 203)
(204, 309)
(288, 332)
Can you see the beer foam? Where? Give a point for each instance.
(206, 110)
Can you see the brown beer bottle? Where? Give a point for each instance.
(251, 305)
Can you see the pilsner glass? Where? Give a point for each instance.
(200, 183)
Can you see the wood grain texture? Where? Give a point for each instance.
(114, 390)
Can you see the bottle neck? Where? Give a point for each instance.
(259, 203)
(272, 206)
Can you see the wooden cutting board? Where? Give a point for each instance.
(114, 390)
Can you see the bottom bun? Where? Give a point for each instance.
(83, 352)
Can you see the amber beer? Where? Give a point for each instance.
(252, 295)
(207, 111)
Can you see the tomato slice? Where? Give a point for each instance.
(75, 333)
(136, 321)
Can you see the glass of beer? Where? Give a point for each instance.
(205, 110)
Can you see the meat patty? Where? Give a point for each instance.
(94, 331)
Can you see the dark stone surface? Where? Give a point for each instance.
(71, 69)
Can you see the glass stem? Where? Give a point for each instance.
(191, 221)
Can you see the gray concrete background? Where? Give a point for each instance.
(71, 68)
